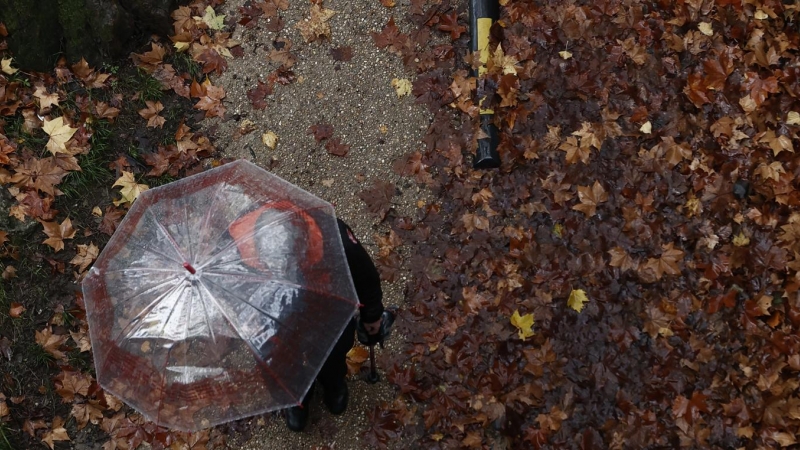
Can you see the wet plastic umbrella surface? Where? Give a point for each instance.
(219, 297)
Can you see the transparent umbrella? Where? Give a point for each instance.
(219, 297)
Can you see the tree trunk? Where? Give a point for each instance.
(40, 31)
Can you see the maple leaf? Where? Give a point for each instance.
(777, 143)
(355, 358)
(150, 60)
(667, 263)
(151, 114)
(210, 99)
(69, 383)
(130, 188)
(620, 258)
(81, 339)
(378, 198)
(401, 86)
(316, 26)
(211, 19)
(106, 111)
(449, 24)
(51, 343)
(336, 147)
(111, 220)
(59, 132)
(57, 233)
(390, 36)
(689, 409)
(84, 413)
(321, 131)
(502, 63)
(577, 299)
(259, 94)
(574, 151)
(590, 197)
(46, 100)
(523, 324)
(57, 432)
(86, 254)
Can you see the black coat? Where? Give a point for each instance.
(366, 278)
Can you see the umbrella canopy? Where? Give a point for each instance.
(219, 297)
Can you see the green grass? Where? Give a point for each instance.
(94, 165)
(38, 355)
(4, 443)
(183, 62)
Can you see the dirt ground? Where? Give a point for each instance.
(357, 99)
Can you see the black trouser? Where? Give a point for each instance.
(333, 372)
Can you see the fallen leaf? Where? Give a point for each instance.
(57, 432)
(151, 114)
(741, 240)
(760, 15)
(343, 54)
(316, 26)
(646, 128)
(130, 188)
(210, 18)
(590, 197)
(336, 147)
(51, 343)
(401, 86)
(577, 299)
(564, 54)
(46, 99)
(793, 118)
(705, 28)
(86, 254)
(270, 139)
(69, 383)
(321, 131)
(59, 132)
(523, 324)
(56, 233)
(5, 66)
(16, 310)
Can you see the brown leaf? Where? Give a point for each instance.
(321, 131)
(378, 198)
(86, 254)
(57, 233)
(16, 310)
(69, 383)
(336, 147)
(343, 54)
(51, 343)
(590, 197)
(316, 26)
(151, 114)
(57, 432)
(355, 358)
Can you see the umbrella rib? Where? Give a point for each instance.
(207, 219)
(170, 238)
(208, 323)
(250, 347)
(136, 322)
(253, 234)
(256, 277)
(245, 301)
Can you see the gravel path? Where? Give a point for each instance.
(357, 99)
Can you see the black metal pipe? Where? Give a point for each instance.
(482, 14)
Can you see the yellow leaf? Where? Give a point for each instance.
(181, 46)
(270, 139)
(564, 54)
(401, 86)
(5, 66)
(523, 324)
(705, 28)
(740, 240)
(646, 128)
(576, 300)
(792, 118)
(130, 189)
(59, 133)
(761, 15)
(211, 19)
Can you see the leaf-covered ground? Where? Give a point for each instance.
(627, 278)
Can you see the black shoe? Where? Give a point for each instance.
(297, 418)
(336, 399)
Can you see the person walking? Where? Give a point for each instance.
(364, 274)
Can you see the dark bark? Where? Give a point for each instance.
(40, 31)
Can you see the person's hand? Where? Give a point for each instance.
(373, 327)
